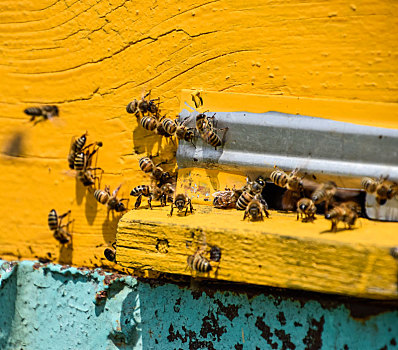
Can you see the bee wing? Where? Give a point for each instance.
(72, 146)
(114, 193)
(70, 173)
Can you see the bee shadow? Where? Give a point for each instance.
(66, 253)
(109, 227)
(80, 191)
(15, 145)
(91, 207)
(339, 230)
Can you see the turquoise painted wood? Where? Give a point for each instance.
(53, 306)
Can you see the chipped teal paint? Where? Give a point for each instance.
(48, 307)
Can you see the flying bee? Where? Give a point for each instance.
(181, 202)
(324, 193)
(76, 146)
(306, 208)
(226, 199)
(249, 191)
(55, 224)
(162, 194)
(111, 200)
(143, 106)
(198, 262)
(110, 254)
(345, 212)
(381, 188)
(46, 111)
(255, 209)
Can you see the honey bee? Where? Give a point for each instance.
(169, 125)
(255, 209)
(82, 163)
(181, 202)
(249, 191)
(46, 111)
(324, 193)
(110, 254)
(184, 133)
(162, 194)
(207, 131)
(111, 200)
(226, 199)
(143, 106)
(146, 164)
(345, 212)
(198, 262)
(306, 208)
(76, 146)
(55, 224)
(291, 182)
(381, 188)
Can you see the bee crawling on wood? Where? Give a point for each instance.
(249, 191)
(306, 208)
(111, 200)
(380, 188)
(110, 254)
(346, 212)
(76, 146)
(143, 106)
(255, 209)
(158, 175)
(324, 193)
(198, 262)
(55, 224)
(45, 111)
(163, 194)
(82, 163)
(179, 129)
(181, 202)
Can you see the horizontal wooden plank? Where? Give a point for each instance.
(279, 252)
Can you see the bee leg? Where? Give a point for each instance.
(266, 212)
(138, 201)
(245, 215)
(171, 211)
(186, 210)
(150, 201)
(190, 206)
(298, 216)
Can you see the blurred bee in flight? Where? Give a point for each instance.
(381, 189)
(324, 193)
(55, 224)
(45, 111)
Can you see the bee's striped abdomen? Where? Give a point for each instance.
(169, 125)
(101, 196)
(243, 201)
(279, 178)
(141, 189)
(33, 111)
(199, 263)
(148, 123)
(79, 161)
(212, 138)
(53, 220)
(368, 184)
(146, 164)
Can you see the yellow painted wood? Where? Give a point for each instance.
(280, 251)
(91, 58)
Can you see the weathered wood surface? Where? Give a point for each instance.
(92, 57)
(280, 251)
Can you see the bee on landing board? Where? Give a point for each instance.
(110, 254)
(111, 200)
(380, 188)
(255, 208)
(181, 202)
(45, 111)
(324, 193)
(55, 224)
(143, 106)
(163, 194)
(346, 212)
(306, 208)
(249, 191)
(226, 199)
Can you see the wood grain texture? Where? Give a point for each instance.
(280, 251)
(91, 58)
